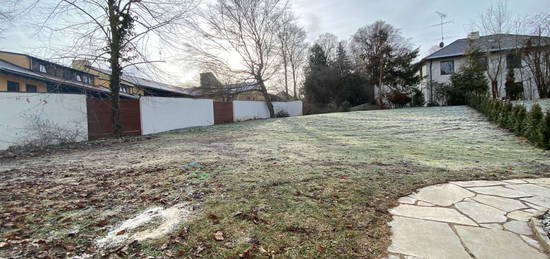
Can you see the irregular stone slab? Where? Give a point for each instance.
(425, 204)
(492, 226)
(540, 201)
(492, 243)
(532, 189)
(406, 200)
(535, 207)
(539, 181)
(532, 211)
(499, 191)
(504, 204)
(520, 215)
(443, 194)
(424, 239)
(532, 242)
(515, 181)
(518, 227)
(477, 183)
(481, 213)
(432, 213)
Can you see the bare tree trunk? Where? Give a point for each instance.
(286, 75)
(267, 98)
(294, 82)
(494, 88)
(285, 64)
(380, 86)
(116, 69)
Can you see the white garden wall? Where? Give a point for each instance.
(26, 117)
(159, 114)
(292, 108)
(251, 110)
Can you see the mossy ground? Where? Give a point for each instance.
(301, 187)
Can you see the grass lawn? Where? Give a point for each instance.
(302, 187)
(544, 104)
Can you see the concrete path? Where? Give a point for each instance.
(476, 219)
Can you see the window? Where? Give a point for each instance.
(78, 78)
(43, 68)
(513, 61)
(31, 89)
(483, 63)
(13, 86)
(447, 67)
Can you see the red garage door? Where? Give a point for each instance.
(100, 124)
(223, 112)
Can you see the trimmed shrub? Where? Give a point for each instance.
(545, 131)
(504, 114)
(519, 120)
(533, 124)
(494, 110)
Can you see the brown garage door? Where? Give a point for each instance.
(223, 112)
(100, 124)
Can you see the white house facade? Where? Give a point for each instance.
(501, 54)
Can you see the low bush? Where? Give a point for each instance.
(399, 99)
(519, 120)
(282, 114)
(534, 124)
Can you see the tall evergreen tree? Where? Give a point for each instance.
(470, 78)
(320, 78)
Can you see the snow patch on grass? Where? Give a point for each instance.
(153, 223)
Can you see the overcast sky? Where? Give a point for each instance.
(343, 17)
(413, 17)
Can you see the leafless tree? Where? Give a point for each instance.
(115, 32)
(6, 14)
(293, 49)
(495, 21)
(240, 37)
(329, 43)
(536, 53)
(297, 53)
(285, 24)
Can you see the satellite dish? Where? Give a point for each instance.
(441, 44)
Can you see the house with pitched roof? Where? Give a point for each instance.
(504, 48)
(24, 73)
(130, 83)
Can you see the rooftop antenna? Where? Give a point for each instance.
(442, 16)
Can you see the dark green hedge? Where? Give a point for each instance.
(534, 125)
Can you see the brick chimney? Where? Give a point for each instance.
(473, 35)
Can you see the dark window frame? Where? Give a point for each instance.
(484, 63)
(442, 72)
(13, 84)
(29, 86)
(513, 60)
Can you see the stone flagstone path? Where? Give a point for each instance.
(476, 219)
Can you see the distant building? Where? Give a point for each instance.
(24, 73)
(439, 66)
(131, 84)
(212, 88)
